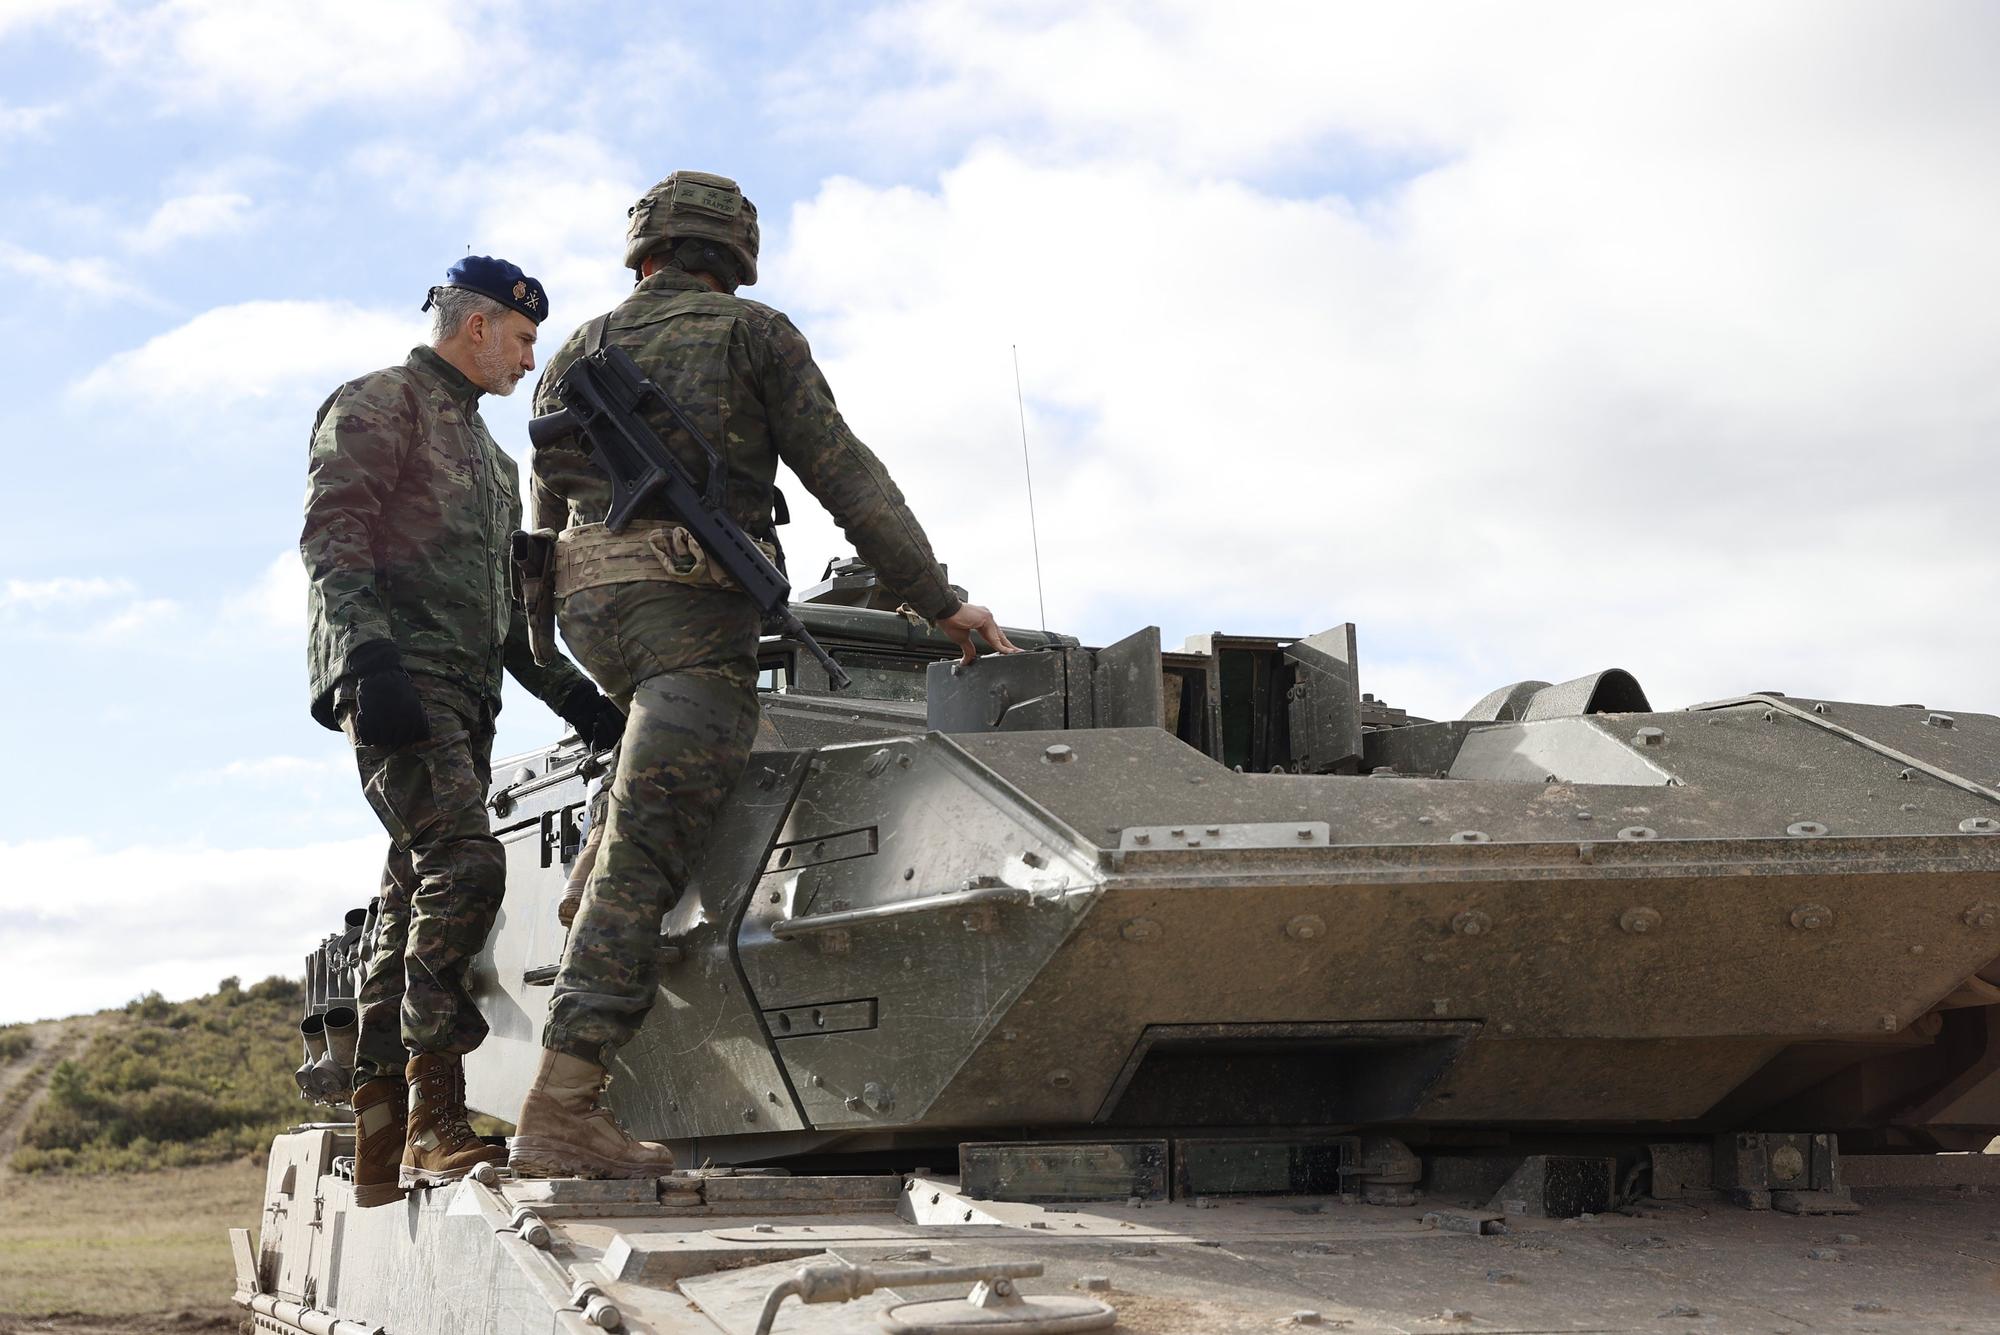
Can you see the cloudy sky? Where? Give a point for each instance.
(1534, 338)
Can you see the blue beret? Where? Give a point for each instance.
(503, 282)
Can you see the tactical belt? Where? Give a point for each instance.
(591, 555)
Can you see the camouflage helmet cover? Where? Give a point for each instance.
(693, 204)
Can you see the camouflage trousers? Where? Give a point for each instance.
(682, 662)
(441, 885)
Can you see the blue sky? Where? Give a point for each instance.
(1534, 341)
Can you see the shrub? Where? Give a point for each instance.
(167, 1084)
(15, 1043)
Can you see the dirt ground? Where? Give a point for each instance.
(122, 1255)
(24, 1082)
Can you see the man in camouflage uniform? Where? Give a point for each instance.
(669, 637)
(409, 508)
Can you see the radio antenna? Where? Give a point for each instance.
(1034, 535)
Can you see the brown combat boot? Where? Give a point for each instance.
(563, 1133)
(441, 1146)
(380, 1113)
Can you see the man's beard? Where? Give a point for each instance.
(498, 373)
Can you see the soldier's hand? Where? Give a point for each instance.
(387, 709)
(970, 619)
(599, 722)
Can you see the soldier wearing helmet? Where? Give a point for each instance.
(673, 641)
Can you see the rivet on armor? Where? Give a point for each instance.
(1469, 837)
(1306, 927)
(1638, 832)
(1060, 1079)
(1139, 929)
(1812, 917)
(1983, 915)
(1472, 922)
(1639, 920)
(1806, 829)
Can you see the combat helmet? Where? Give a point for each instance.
(694, 204)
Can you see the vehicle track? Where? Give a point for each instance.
(25, 1083)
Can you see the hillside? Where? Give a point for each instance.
(130, 1142)
(155, 1085)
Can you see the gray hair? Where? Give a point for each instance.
(451, 307)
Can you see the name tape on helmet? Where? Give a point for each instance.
(707, 198)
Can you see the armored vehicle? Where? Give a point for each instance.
(997, 977)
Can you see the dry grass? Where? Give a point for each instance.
(151, 1245)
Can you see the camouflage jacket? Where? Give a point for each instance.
(743, 372)
(409, 504)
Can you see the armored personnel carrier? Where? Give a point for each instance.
(1196, 990)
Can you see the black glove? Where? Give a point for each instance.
(599, 722)
(387, 709)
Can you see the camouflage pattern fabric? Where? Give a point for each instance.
(682, 661)
(441, 887)
(745, 375)
(409, 504)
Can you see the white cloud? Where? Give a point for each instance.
(21, 122)
(89, 609)
(21, 15)
(168, 918)
(90, 278)
(282, 62)
(273, 607)
(1670, 348)
(38, 594)
(254, 351)
(190, 217)
(573, 235)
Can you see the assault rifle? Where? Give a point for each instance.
(605, 397)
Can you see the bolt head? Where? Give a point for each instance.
(1306, 927)
(1140, 929)
(1471, 922)
(1811, 917)
(1639, 920)
(1058, 754)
